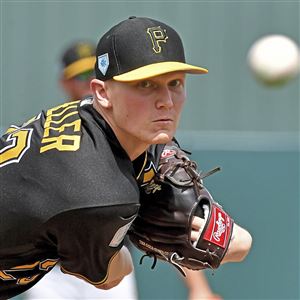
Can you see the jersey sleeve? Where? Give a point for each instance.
(87, 239)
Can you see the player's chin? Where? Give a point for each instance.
(162, 137)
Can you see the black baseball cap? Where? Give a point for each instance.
(78, 58)
(140, 48)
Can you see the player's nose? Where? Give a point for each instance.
(164, 98)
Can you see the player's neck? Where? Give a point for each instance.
(133, 146)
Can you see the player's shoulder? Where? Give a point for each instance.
(62, 128)
(45, 140)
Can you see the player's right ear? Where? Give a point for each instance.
(99, 91)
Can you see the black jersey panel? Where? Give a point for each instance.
(42, 185)
(66, 187)
(86, 239)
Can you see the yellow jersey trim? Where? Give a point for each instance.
(145, 161)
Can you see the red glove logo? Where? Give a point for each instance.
(219, 227)
(168, 153)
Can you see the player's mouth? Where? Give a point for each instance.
(163, 121)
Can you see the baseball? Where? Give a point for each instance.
(274, 59)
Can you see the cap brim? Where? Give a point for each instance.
(80, 66)
(159, 69)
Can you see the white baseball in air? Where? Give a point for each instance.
(274, 59)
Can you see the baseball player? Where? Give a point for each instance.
(77, 63)
(70, 175)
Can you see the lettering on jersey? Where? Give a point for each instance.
(47, 264)
(25, 274)
(148, 184)
(4, 276)
(62, 128)
(37, 117)
(16, 144)
(152, 187)
(149, 172)
(26, 280)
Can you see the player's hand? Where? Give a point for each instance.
(197, 226)
(240, 243)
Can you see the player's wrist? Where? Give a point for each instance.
(239, 246)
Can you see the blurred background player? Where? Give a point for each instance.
(77, 69)
(77, 64)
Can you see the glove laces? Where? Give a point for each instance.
(173, 260)
(191, 169)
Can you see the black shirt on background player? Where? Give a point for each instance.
(69, 193)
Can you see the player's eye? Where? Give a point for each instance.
(175, 83)
(145, 84)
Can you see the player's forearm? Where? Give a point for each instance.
(198, 286)
(239, 246)
(120, 266)
(196, 282)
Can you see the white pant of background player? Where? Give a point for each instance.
(57, 285)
